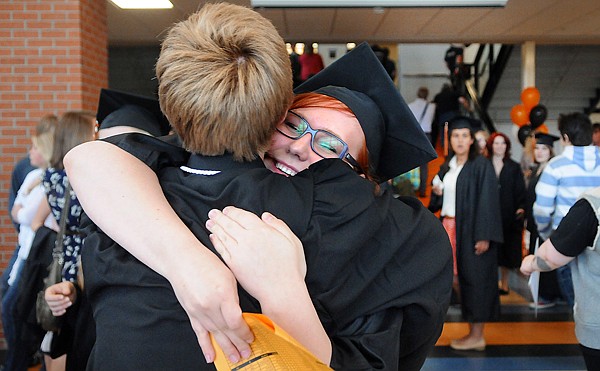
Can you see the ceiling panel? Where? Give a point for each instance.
(557, 14)
(542, 21)
(308, 24)
(353, 24)
(501, 20)
(406, 23)
(455, 22)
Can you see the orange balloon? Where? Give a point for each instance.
(542, 129)
(519, 115)
(530, 97)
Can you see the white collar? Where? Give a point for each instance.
(199, 171)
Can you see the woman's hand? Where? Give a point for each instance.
(264, 255)
(481, 247)
(437, 190)
(60, 296)
(268, 261)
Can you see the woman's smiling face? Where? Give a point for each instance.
(290, 156)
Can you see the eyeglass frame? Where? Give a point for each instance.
(345, 155)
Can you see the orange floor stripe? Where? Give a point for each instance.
(515, 333)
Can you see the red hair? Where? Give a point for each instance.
(490, 143)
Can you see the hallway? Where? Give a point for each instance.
(519, 340)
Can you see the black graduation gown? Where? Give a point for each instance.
(379, 269)
(477, 219)
(512, 197)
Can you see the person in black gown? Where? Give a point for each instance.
(399, 298)
(511, 187)
(466, 192)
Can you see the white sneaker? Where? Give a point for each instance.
(542, 304)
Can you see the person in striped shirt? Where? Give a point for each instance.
(564, 179)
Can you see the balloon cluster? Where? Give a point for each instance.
(529, 115)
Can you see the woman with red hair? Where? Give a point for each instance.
(511, 185)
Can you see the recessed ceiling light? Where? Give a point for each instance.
(143, 4)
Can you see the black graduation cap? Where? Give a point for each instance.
(462, 122)
(547, 139)
(117, 108)
(458, 122)
(395, 140)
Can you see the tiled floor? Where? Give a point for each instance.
(520, 340)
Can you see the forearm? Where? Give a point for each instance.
(133, 210)
(295, 313)
(14, 213)
(546, 259)
(41, 214)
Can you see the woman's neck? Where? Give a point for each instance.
(462, 158)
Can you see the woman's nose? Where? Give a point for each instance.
(301, 147)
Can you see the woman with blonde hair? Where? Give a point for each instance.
(21, 339)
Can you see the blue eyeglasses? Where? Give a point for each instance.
(323, 143)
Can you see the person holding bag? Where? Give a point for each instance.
(76, 335)
(45, 318)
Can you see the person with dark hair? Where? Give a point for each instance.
(512, 206)
(466, 192)
(563, 180)
(596, 134)
(296, 67)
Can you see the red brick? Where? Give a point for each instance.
(40, 43)
(26, 52)
(11, 25)
(39, 24)
(43, 6)
(25, 16)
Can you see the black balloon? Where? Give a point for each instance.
(524, 132)
(537, 115)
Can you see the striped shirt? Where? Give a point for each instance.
(563, 180)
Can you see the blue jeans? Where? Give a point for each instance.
(565, 282)
(4, 279)
(20, 341)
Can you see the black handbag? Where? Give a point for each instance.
(44, 315)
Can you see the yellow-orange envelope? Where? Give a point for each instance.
(272, 349)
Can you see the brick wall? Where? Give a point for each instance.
(53, 58)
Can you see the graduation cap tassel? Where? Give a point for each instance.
(446, 139)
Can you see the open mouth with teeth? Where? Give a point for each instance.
(284, 169)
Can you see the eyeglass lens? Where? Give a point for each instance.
(324, 143)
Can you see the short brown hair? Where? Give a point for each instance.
(73, 129)
(225, 81)
(423, 92)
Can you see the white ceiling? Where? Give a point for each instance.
(542, 21)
